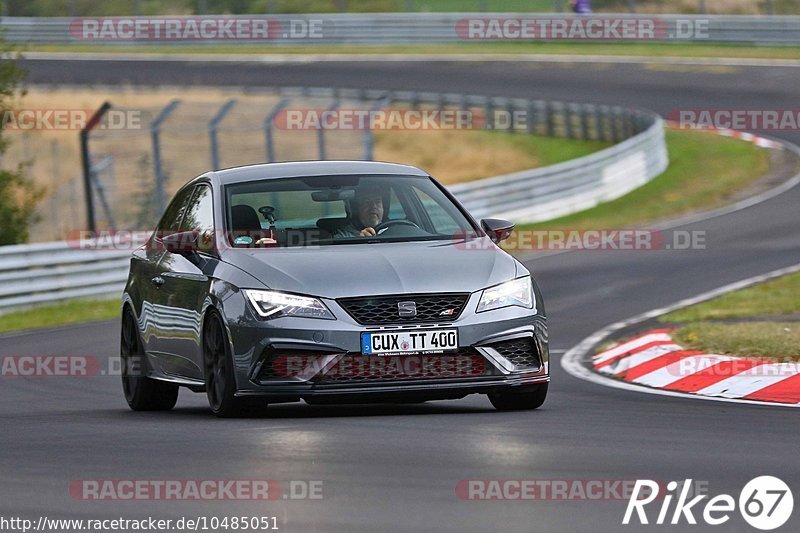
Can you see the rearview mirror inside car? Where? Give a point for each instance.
(333, 195)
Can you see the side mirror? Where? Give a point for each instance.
(183, 243)
(497, 229)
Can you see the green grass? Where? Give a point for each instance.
(774, 298)
(646, 50)
(74, 312)
(702, 329)
(551, 151)
(705, 169)
(773, 340)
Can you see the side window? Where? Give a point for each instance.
(200, 214)
(443, 222)
(396, 210)
(171, 220)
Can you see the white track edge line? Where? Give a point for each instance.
(572, 361)
(279, 58)
(693, 218)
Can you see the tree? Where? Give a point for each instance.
(18, 195)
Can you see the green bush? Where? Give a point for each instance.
(18, 195)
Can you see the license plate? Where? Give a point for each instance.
(400, 342)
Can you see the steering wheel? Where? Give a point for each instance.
(389, 223)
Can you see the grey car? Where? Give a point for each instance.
(334, 281)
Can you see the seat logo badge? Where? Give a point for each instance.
(407, 309)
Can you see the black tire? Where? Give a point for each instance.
(141, 392)
(530, 398)
(219, 374)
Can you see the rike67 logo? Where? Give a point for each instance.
(766, 503)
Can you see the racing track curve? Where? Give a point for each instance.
(395, 468)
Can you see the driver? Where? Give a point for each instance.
(368, 214)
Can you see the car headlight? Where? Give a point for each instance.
(271, 304)
(517, 292)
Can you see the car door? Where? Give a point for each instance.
(183, 291)
(146, 263)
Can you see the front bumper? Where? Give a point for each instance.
(257, 344)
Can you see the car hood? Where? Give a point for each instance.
(337, 271)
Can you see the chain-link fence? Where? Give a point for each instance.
(185, 138)
(138, 157)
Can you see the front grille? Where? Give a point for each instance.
(286, 364)
(522, 352)
(384, 309)
(357, 368)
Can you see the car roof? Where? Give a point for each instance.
(311, 168)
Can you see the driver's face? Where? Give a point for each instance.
(370, 210)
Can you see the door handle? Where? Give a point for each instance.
(158, 281)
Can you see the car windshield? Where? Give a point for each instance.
(332, 210)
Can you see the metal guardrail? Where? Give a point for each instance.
(42, 273)
(410, 28)
(557, 190)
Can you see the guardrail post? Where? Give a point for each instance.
(87, 164)
(567, 117)
(321, 134)
(530, 114)
(598, 124)
(628, 128)
(212, 131)
(101, 193)
(464, 103)
(510, 108)
(616, 124)
(155, 133)
(584, 111)
(441, 103)
(268, 127)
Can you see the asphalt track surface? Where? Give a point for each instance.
(395, 468)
